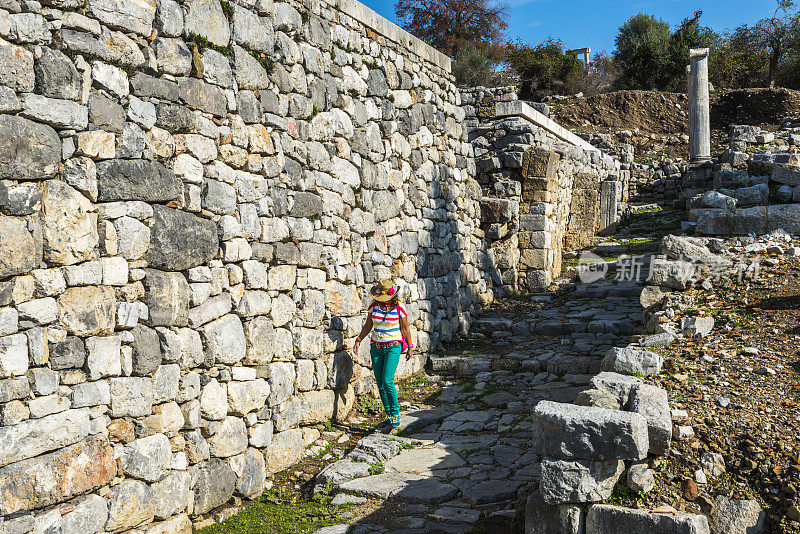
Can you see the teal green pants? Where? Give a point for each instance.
(384, 365)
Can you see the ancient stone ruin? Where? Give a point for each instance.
(194, 200)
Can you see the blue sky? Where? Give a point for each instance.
(594, 23)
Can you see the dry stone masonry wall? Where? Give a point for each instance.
(543, 189)
(194, 197)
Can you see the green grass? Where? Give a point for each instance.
(274, 513)
(369, 405)
(376, 469)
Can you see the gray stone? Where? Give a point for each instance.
(24, 199)
(735, 516)
(577, 481)
(9, 102)
(757, 220)
(56, 76)
(29, 151)
(91, 394)
(171, 495)
(752, 196)
(108, 46)
(385, 205)
(104, 357)
(492, 491)
(215, 484)
(428, 491)
(106, 114)
(18, 248)
(285, 449)
(598, 399)
(206, 19)
(173, 57)
(169, 18)
(146, 350)
(698, 325)
(306, 205)
(87, 311)
(380, 486)
(217, 69)
(785, 175)
(180, 240)
(341, 471)
(89, 515)
(616, 384)
(640, 478)
(34, 437)
(224, 340)
(246, 397)
(145, 85)
(250, 472)
(131, 396)
(541, 517)
(134, 17)
(147, 458)
(81, 173)
(672, 274)
(252, 31)
(631, 361)
(67, 354)
(715, 199)
(64, 114)
(131, 504)
(167, 298)
(16, 67)
(605, 519)
(567, 431)
(69, 226)
(136, 179)
(249, 72)
(203, 96)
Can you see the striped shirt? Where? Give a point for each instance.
(386, 323)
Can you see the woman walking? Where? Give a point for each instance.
(387, 320)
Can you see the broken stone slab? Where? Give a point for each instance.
(215, 484)
(423, 460)
(683, 248)
(380, 486)
(577, 481)
(339, 472)
(737, 516)
(673, 274)
(652, 403)
(653, 295)
(451, 514)
(597, 398)
(541, 517)
(785, 175)
(568, 432)
(631, 361)
(56, 477)
(658, 340)
(381, 446)
(616, 384)
(698, 325)
(428, 491)
(605, 519)
(758, 220)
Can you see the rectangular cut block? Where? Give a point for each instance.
(652, 403)
(568, 431)
(609, 194)
(553, 519)
(577, 481)
(33, 437)
(604, 519)
(56, 477)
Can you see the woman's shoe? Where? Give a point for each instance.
(395, 421)
(386, 422)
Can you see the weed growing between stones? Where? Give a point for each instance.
(369, 405)
(376, 469)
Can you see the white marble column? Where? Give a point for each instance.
(699, 115)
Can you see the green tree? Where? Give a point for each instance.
(737, 60)
(651, 56)
(776, 34)
(476, 64)
(545, 69)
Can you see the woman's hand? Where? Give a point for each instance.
(355, 346)
(409, 353)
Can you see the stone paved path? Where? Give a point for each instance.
(470, 452)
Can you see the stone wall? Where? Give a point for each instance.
(541, 188)
(194, 199)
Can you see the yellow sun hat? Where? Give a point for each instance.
(385, 290)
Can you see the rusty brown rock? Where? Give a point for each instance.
(121, 430)
(689, 488)
(56, 477)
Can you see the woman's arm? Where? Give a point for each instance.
(407, 335)
(364, 331)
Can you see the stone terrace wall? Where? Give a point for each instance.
(544, 189)
(194, 198)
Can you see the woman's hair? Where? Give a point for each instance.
(391, 304)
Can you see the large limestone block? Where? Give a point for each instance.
(28, 150)
(206, 19)
(224, 340)
(229, 437)
(69, 226)
(250, 472)
(171, 495)
(653, 404)
(341, 300)
(605, 519)
(737, 516)
(16, 67)
(131, 396)
(167, 298)
(631, 361)
(215, 484)
(18, 250)
(180, 240)
(616, 384)
(88, 515)
(577, 481)
(56, 477)
(285, 449)
(568, 431)
(246, 397)
(87, 310)
(316, 406)
(136, 179)
(147, 458)
(34, 437)
(131, 505)
(758, 220)
(127, 15)
(541, 517)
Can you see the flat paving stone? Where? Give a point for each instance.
(423, 460)
(381, 486)
(428, 490)
(455, 515)
(492, 491)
